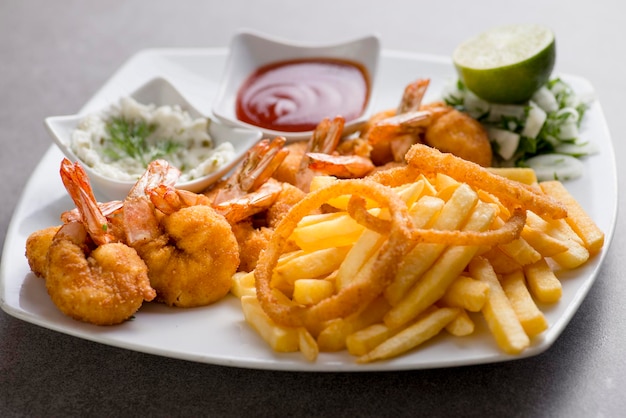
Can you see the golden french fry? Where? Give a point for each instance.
(462, 325)
(307, 345)
(521, 174)
(576, 253)
(454, 212)
(545, 244)
(412, 192)
(340, 202)
(365, 340)
(338, 230)
(279, 338)
(424, 329)
(310, 265)
(501, 262)
(542, 282)
(333, 337)
(577, 217)
(466, 293)
(312, 291)
(498, 312)
(362, 252)
(443, 181)
(434, 283)
(531, 318)
(243, 284)
(519, 250)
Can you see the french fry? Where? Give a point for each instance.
(411, 192)
(542, 282)
(577, 217)
(519, 250)
(310, 265)
(338, 230)
(424, 329)
(498, 312)
(307, 345)
(365, 340)
(462, 325)
(363, 250)
(576, 253)
(279, 338)
(243, 284)
(434, 283)
(531, 318)
(545, 244)
(443, 181)
(454, 212)
(333, 337)
(521, 174)
(466, 293)
(340, 202)
(501, 262)
(312, 291)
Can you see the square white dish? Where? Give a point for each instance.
(250, 50)
(158, 91)
(218, 334)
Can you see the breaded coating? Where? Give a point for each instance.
(251, 242)
(37, 246)
(105, 287)
(192, 258)
(460, 134)
(287, 171)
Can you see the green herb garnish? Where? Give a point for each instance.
(130, 138)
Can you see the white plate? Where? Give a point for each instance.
(218, 334)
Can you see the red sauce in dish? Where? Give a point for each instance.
(294, 96)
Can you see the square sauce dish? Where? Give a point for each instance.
(155, 121)
(286, 89)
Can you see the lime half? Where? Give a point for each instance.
(506, 64)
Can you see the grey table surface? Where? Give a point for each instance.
(55, 54)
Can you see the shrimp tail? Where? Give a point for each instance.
(79, 188)
(258, 166)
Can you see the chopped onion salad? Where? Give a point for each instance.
(542, 134)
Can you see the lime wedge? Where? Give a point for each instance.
(506, 64)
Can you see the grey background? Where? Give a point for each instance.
(54, 55)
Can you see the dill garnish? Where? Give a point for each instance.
(130, 138)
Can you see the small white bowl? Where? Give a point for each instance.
(160, 92)
(251, 50)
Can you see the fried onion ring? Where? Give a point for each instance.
(429, 161)
(508, 232)
(357, 208)
(355, 295)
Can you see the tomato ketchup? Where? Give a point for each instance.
(295, 95)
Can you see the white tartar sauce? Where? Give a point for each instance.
(187, 142)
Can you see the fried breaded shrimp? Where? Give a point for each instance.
(325, 154)
(287, 171)
(105, 286)
(289, 196)
(89, 276)
(251, 242)
(251, 189)
(436, 124)
(324, 140)
(191, 256)
(37, 246)
(460, 134)
(191, 253)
